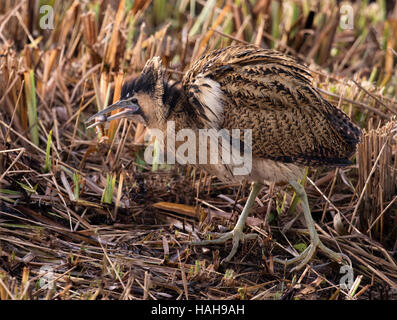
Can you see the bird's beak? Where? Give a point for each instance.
(131, 110)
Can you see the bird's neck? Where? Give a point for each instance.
(178, 109)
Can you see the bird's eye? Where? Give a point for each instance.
(134, 100)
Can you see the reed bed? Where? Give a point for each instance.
(81, 208)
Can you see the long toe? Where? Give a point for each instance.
(336, 256)
(236, 235)
(306, 256)
(222, 239)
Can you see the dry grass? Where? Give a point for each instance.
(84, 203)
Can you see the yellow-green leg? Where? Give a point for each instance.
(237, 233)
(315, 244)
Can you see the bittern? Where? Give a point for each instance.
(265, 91)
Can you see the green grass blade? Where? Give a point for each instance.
(276, 10)
(31, 103)
(107, 196)
(76, 189)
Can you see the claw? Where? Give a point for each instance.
(236, 235)
(308, 254)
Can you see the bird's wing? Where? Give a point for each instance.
(243, 87)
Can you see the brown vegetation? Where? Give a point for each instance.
(84, 203)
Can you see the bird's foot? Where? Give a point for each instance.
(310, 251)
(236, 235)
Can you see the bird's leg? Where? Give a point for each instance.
(309, 252)
(237, 233)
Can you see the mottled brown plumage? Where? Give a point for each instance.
(272, 94)
(244, 87)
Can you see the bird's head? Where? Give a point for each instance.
(142, 99)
